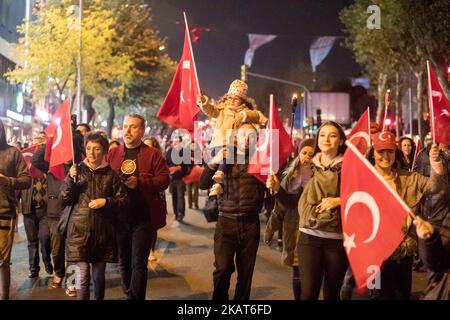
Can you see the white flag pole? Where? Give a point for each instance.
(192, 52)
(430, 102)
(271, 135)
(370, 139)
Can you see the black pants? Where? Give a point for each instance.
(178, 188)
(240, 238)
(37, 231)
(396, 279)
(58, 247)
(134, 243)
(321, 258)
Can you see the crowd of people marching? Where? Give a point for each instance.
(112, 202)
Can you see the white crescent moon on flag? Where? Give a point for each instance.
(369, 201)
(266, 142)
(361, 134)
(382, 138)
(27, 154)
(58, 137)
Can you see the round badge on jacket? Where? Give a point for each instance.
(128, 167)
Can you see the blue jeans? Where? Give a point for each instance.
(134, 243)
(98, 278)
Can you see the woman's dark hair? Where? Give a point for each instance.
(413, 148)
(98, 137)
(342, 137)
(154, 142)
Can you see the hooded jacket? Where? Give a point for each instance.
(14, 167)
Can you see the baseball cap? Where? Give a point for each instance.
(384, 141)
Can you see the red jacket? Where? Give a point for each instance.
(153, 179)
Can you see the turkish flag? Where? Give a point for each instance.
(179, 109)
(372, 217)
(27, 155)
(273, 148)
(416, 153)
(196, 33)
(58, 137)
(360, 134)
(440, 109)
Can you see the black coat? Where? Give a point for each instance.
(243, 193)
(434, 206)
(91, 233)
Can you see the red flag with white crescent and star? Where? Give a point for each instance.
(273, 148)
(58, 139)
(360, 134)
(27, 155)
(179, 109)
(372, 217)
(439, 109)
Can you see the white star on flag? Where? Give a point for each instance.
(186, 64)
(349, 242)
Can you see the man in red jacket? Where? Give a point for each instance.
(145, 174)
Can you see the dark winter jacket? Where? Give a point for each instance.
(14, 167)
(243, 194)
(91, 233)
(435, 252)
(434, 206)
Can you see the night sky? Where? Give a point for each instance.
(220, 52)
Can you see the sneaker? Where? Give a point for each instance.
(216, 190)
(218, 176)
(71, 291)
(33, 274)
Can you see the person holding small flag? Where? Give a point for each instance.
(320, 247)
(96, 195)
(285, 214)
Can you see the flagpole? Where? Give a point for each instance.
(386, 106)
(368, 117)
(430, 102)
(192, 52)
(270, 135)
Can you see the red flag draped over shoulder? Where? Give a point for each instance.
(58, 137)
(274, 146)
(372, 217)
(179, 109)
(440, 109)
(360, 134)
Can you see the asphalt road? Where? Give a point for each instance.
(182, 271)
